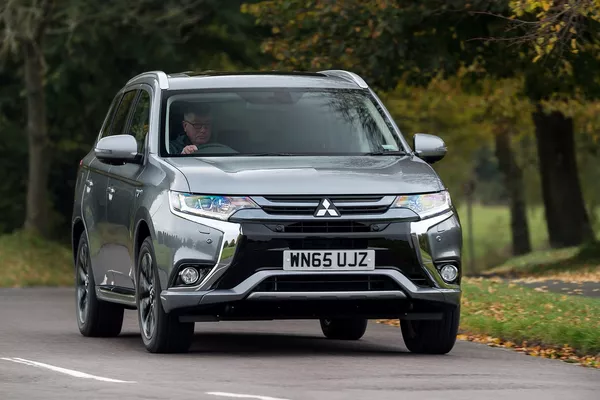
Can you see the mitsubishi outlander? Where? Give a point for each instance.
(214, 196)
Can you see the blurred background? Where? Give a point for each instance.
(510, 85)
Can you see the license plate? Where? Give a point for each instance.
(335, 260)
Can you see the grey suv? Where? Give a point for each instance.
(262, 196)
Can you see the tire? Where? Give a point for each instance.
(161, 332)
(344, 329)
(432, 337)
(95, 318)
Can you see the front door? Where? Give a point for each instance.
(104, 270)
(124, 189)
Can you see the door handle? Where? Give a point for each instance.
(111, 190)
(89, 183)
(138, 192)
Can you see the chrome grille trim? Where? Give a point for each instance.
(306, 205)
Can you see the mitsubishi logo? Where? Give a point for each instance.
(326, 208)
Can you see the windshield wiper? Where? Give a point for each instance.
(386, 153)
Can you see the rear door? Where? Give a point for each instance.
(124, 188)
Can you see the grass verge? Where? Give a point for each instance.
(26, 260)
(542, 324)
(516, 314)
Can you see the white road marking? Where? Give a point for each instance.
(71, 372)
(247, 396)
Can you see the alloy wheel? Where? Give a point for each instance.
(147, 297)
(83, 284)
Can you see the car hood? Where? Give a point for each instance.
(308, 175)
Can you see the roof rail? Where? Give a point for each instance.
(347, 75)
(163, 81)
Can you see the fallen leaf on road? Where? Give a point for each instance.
(564, 353)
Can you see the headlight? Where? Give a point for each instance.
(219, 207)
(425, 205)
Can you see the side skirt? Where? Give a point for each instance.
(118, 295)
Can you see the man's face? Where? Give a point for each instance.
(198, 128)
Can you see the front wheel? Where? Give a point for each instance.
(432, 337)
(161, 332)
(344, 328)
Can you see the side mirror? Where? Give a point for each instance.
(117, 148)
(430, 148)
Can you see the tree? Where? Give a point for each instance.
(386, 40)
(505, 109)
(25, 27)
(555, 27)
(44, 39)
(493, 114)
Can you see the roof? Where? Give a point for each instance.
(334, 79)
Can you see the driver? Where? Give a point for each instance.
(197, 127)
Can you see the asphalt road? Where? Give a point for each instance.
(269, 360)
(586, 289)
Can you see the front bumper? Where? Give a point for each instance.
(179, 299)
(410, 252)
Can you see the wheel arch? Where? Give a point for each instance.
(143, 228)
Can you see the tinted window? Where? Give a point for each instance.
(120, 119)
(316, 122)
(109, 115)
(141, 119)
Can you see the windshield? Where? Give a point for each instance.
(277, 122)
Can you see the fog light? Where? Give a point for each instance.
(449, 273)
(189, 275)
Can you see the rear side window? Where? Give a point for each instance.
(109, 116)
(141, 119)
(120, 120)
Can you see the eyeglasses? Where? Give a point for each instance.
(199, 125)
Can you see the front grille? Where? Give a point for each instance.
(327, 283)
(326, 227)
(306, 205)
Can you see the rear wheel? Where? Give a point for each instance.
(432, 337)
(161, 332)
(95, 318)
(344, 328)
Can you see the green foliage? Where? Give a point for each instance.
(389, 40)
(557, 26)
(415, 43)
(444, 109)
(573, 260)
(89, 62)
(491, 234)
(381, 40)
